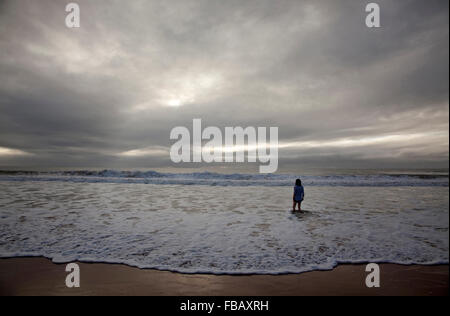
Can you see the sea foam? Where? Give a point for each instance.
(223, 229)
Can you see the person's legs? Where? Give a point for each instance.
(300, 206)
(293, 207)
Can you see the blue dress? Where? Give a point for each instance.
(299, 193)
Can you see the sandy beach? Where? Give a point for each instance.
(39, 276)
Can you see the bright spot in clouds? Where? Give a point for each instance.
(149, 151)
(190, 88)
(174, 102)
(12, 152)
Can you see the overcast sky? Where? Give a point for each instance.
(108, 93)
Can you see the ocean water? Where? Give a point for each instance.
(224, 223)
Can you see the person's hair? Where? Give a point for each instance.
(298, 182)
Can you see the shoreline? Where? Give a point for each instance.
(40, 276)
(118, 263)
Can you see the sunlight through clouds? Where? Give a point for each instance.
(12, 152)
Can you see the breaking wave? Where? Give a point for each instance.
(236, 179)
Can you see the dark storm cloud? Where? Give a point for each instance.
(340, 93)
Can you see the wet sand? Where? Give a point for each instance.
(39, 276)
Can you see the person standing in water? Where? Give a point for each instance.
(299, 194)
